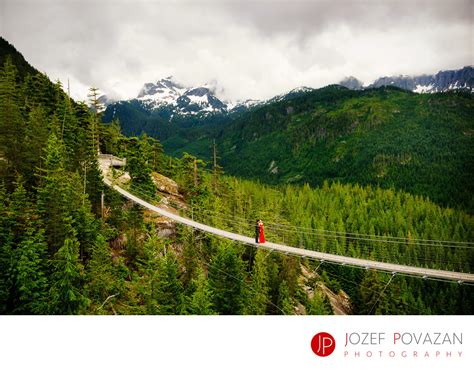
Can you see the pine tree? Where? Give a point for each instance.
(284, 300)
(217, 170)
(31, 282)
(135, 224)
(36, 137)
(18, 219)
(40, 92)
(66, 290)
(318, 305)
(374, 302)
(97, 108)
(157, 155)
(167, 289)
(12, 126)
(201, 299)
(139, 168)
(226, 281)
(111, 137)
(61, 201)
(6, 239)
(257, 301)
(190, 256)
(274, 282)
(52, 197)
(21, 211)
(94, 183)
(103, 278)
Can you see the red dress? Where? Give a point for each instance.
(262, 235)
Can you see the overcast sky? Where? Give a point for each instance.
(247, 49)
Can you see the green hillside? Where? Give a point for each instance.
(419, 143)
(163, 123)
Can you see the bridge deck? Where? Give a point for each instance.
(364, 263)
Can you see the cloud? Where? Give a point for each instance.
(308, 17)
(252, 49)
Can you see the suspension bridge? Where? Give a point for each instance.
(106, 161)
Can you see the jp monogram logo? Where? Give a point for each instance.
(323, 344)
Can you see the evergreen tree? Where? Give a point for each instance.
(52, 197)
(12, 126)
(374, 302)
(36, 137)
(17, 217)
(66, 292)
(111, 137)
(284, 300)
(5, 249)
(39, 91)
(135, 225)
(21, 211)
(190, 256)
(201, 299)
(97, 108)
(158, 160)
(103, 278)
(318, 305)
(139, 168)
(62, 201)
(259, 290)
(226, 281)
(94, 183)
(31, 282)
(166, 287)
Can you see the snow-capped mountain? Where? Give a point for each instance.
(166, 93)
(170, 97)
(441, 82)
(298, 91)
(171, 101)
(242, 104)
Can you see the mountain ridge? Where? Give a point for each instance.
(442, 81)
(169, 99)
(383, 136)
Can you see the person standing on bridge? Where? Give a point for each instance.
(257, 230)
(261, 238)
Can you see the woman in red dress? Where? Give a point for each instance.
(262, 235)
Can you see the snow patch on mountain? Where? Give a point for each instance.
(424, 88)
(167, 93)
(440, 82)
(242, 104)
(298, 91)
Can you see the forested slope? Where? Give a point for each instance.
(419, 143)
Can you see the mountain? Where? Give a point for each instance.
(380, 136)
(385, 135)
(351, 83)
(441, 82)
(169, 94)
(162, 107)
(173, 102)
(166, 101)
